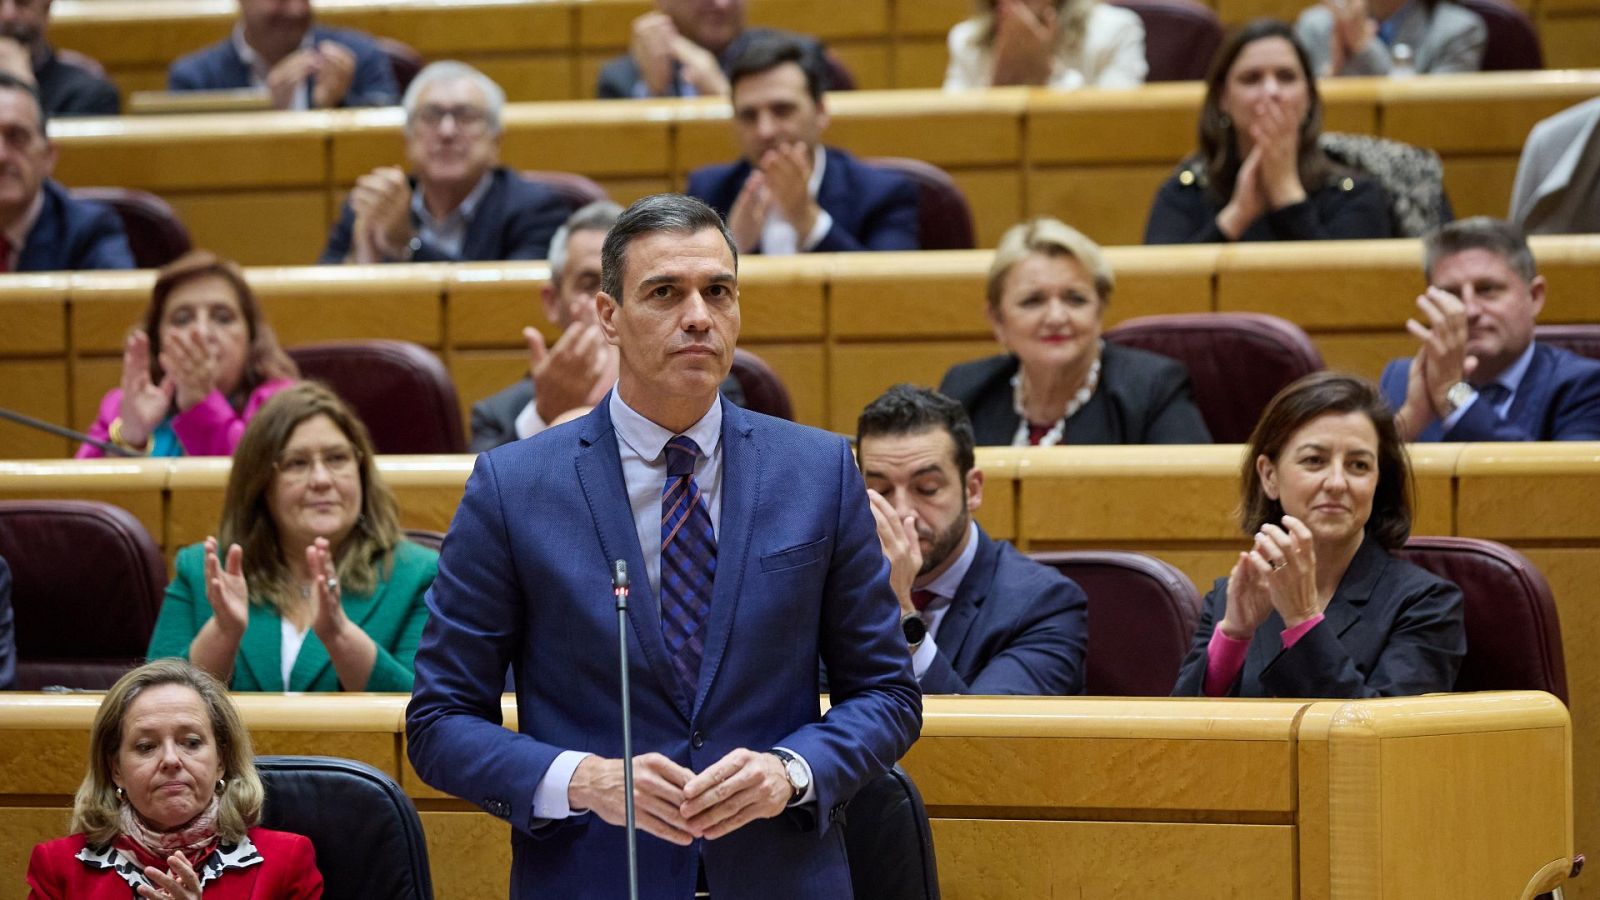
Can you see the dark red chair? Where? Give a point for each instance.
(839, 77)
(404, 61)
(1583, 340)
(1513, 632)
(87, 584)
(575, 190)
(400, 390)
(945, 220)
(1512, 44)
(155, 233)
(427, 537)
(1236, 361)
(1180, 37)
(1142, 616)
(763, 389)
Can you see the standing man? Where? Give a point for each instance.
(790, 194)
(978, 617)
(64, 89)
(458, 203)
(753, 561)
(1479, 375)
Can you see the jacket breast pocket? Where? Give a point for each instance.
(795, 557)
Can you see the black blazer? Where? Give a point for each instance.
(1143, 398)
(66, 90)
(1345, 208)
(1391, 630)
(73, 235)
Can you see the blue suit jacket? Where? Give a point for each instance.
(872, 208)
(1014, 627)
(219, 67)
(799, 570)
(72, 235)
(1558, 400)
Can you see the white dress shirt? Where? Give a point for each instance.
(778, 236)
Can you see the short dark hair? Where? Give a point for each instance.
(1503, 239)
(675, 213)
(765, 53)
(1320, 394)
(9, 81)
(908, 409)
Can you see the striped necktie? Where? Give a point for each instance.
(688, 561)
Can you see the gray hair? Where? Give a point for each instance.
(1502, 238)
(451, 70)
(597, 216)
(674, 213)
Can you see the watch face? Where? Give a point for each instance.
(914, 628)
(797, 776)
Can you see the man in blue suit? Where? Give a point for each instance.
(42, 229)
(302, 65)
(1479, 375)
(979, 617)
(753, 562)
(790, 194)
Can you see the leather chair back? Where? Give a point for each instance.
(433, 540)
(1512, 44)
(763, 389)
(1513, 632)
(1583, 340)
(888, 842)
(573, 189)
(87, 585)
(155, 233)
(367, 833)
(81, 60)
(399, 389)
(404, 60)
(1180, 37)
(1237, 361)
(944, 221)
(1142, 616)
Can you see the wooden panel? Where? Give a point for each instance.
(1570, 41)
(1160, 280)
(781, 298)
(1108, 203)
(1513, 492)
(33, 316)
(180, 153)
(133, 484)
(469, 854)
(307, 304)
(868, 62)
(1125, 493)
(540, 79)
(1112, 127)
(428, 488)
(463, 28)
(280, 228)
(1571, 265)
(860, 372)
(145, 32)
(35, 388)
(1477, 113)
(20, 829)
(105, 307)
(481, 373)
(1324, 290)
(875, 124)
(194, 503)
(803, 370)
(996, 199)
(490, 303)
(1363, 353)
(928, 17)
(92, 378)
(920, 63)
(1480, 186)
(909, 295)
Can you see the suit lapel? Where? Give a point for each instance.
(480, 241)
(742, 474)
(1343, 612)
(313, 662)
(261, 650)
(1531, 403)
(964, 607)
(834, 194)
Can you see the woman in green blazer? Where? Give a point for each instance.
(318, 590)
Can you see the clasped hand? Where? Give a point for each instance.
(1441, 361)
(782, 180)
(675, 804)
(1269, 177)
(1279, 572)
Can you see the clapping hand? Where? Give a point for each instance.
(327, 613)
(181, 882)
(226, 589)
(144, 403)
(1024, 42)
(190, 365)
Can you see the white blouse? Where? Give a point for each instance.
(1111, 54)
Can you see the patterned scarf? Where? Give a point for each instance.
(151, 846)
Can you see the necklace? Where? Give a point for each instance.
(1053, 436)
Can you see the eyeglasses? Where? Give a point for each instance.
(467, 118)
(338, 462)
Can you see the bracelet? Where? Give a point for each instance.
(115, 434)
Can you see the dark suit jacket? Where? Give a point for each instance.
(219, 67)
(66, 90)
(8, 632)
(494, 418)
(620, 79)
(287, 871)
(73, 234)
(1391, 629)
(1014, 627)
(1185, 214)
(1143, 398)
(872, 208)
(1558, 400)
(515, 220)
(799, 569)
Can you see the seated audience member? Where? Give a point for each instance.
(1318, 607)
(1058, 382)
(790, 194)
(64, 89)
(302, 65)
(202, 365)
(317, 589)
(1050, 43)
(979, 617)
(683, 49)
(8, 632)
(170, 803)
(1382, 37)
(458, 203)
(1557, 190)
(42, 229)
(1479, 375)
(1260, 174)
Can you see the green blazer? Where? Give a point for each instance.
(393, 615)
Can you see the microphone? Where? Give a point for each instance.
(619, 589)
(105, 447)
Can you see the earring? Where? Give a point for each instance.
(222, 785)
(119, 793)
(1224, 121)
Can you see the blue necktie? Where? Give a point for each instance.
(1494, 394)
(688, 562)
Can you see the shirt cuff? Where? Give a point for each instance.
(1224, 659)
(550, 797)
(818, 231)
(923, 658)
(528, 422)
(810, 796)
(1291, 635)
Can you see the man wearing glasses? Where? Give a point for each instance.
(458, 203)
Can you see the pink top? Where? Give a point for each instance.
(1225, 655)
(209, 428)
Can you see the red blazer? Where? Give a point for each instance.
(287, 871)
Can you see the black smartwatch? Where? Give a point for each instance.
(914, 628)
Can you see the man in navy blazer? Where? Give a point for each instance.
(753, 562)
(1479, 375)
(42, 229)
(790, 194)
(458, 203)
(302, 65)
(978, 617)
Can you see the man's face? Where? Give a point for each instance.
(916, 472)
(24, 21)
(773, 108)
(275, 27)
(570, 298)
(678, 319)
(713, 24)
(1501, 307)
(449, 139)
(26, 157)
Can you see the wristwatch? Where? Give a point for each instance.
(1456, 396)
(795, 770)
(914, 628)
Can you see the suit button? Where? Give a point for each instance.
(697, 740)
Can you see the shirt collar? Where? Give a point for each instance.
(819, 161)
(648, 439)
(1512, 377)
(252, 59)
(949, 581)
(468, 206)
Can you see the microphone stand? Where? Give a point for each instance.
(619, 587)
(105, 447)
